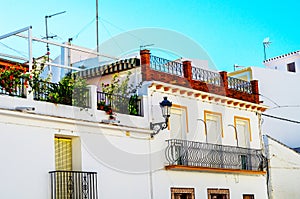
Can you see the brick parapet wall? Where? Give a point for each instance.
(187, 81)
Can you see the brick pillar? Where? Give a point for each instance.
(255, 91)
(187, 70)
(145, 64)
(224, 83)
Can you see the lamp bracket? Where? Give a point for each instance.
(156, 127)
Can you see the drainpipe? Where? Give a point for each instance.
(150, 171)
(265, 149)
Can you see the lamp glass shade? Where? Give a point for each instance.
(165, 106)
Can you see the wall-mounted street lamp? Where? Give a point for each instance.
(165, 106)
(236, 135)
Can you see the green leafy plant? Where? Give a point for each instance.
(133, 106)
(71, 90)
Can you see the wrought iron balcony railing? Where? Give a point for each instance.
(167, 66)
(206, 76)
(73, 185)
(197, 154)
(120, 104)
(239, 85)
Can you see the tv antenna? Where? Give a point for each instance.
(266, 44)
(235, 66)
(143, 46)
(47, 35)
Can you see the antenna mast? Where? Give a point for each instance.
(266, 44)
(47, 35)
(97, 31)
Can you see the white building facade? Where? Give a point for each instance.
(284, 164)
(211, 148)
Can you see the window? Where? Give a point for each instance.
(218, 193)
(248, 196)
(214, 127)
(291, 67)
(243, 131)
(63, 154)
(182, 193)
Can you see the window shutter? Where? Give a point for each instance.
(63, 154)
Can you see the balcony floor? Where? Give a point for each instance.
(213, 170)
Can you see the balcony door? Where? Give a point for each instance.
(243, 132)
(63, 154)
(178, 122)
(63, 162)
(214, 127)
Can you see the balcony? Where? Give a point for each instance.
(79, 97)
(189, 155)
(73, 184)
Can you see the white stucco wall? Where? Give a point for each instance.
(27, 156)
(236, 183)
(281, 63)
(196, 108)
(284, 173)
(135, 78)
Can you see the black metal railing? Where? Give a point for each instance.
(206, 76)
(56, 93)
(239, 85)
(120, 104)
(73, 185)
(19, 90)
(42, 91)
(197, 154)
(167, 66)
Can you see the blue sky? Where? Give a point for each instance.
(230, 31)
